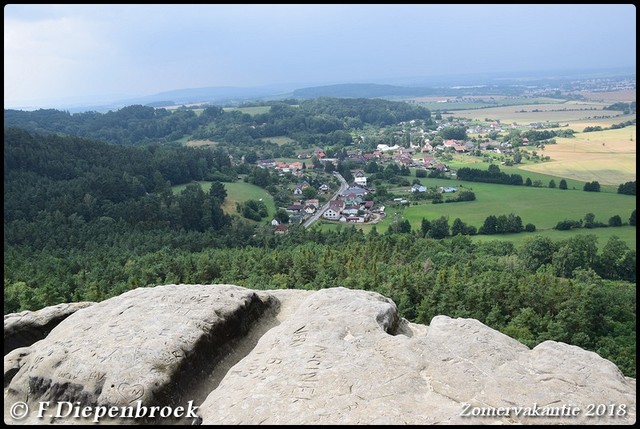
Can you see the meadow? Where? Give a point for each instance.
(199, 143)
(543, 207)
(279, 140)
(237, 192)
(523, 170)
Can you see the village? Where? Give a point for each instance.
(424, 151)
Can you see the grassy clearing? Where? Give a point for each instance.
(625, 233)
(237, 192)
(179, 188)
(279, 140)
(252, 110)
(241, 191)
(183, 140)
(200, 143)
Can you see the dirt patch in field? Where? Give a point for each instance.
(626, 95)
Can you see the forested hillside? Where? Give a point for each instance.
(323, 120)
(87, 219)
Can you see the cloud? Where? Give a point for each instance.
(52, 56)
(59, 51)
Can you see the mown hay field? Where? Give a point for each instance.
(608, 157)
(570, 111)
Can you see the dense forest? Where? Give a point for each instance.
(87, 219)
(310, 122)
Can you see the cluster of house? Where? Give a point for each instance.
(318, 152)
(351, 206)
(301, 208)
(421, 188)
(295, 168)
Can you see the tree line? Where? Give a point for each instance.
(538, 291)
(490, 175)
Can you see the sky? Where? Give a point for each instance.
(61, 54)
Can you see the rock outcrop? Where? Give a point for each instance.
(27, 327)
(223, 354)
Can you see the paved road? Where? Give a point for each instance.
(343, 187)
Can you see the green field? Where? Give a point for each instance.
(543, 207)
(237, 192)
(474, 162)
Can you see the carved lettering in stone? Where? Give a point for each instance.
(97, 375)
(130, 392)
(36, 362)
(309, 376)
(299, 336)
(68, 375)
(303, 392)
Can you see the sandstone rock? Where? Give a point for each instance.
(13, 361)
(334, 356)
(25, 328)
(337, 361)
(143, 345)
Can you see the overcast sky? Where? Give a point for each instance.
(56, 54)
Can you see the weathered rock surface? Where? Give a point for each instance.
(146, 344)
(25, 328)
(335, 362)
(335, 356)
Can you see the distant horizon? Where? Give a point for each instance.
(444, 81)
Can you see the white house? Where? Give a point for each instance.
(418, 188)
(331, 214)
(362, 181)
